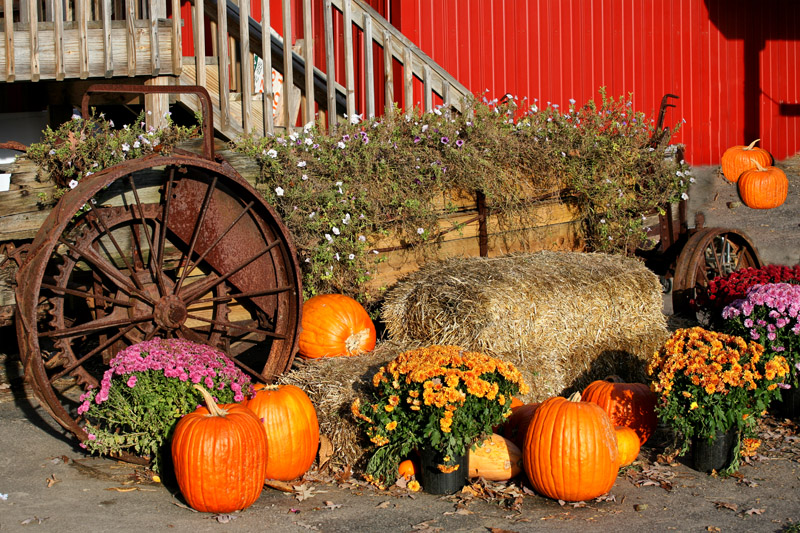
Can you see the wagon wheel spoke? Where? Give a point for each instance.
(250, 294)
(162, 237)
(155, 266)
(219, 238)
(108, 269)
(196, 231)
(199, 288)
(99, 349)
(94, 326)
(85, 294)
(100, 219)
(240, 327)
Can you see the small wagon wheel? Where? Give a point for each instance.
(167, 246)
(709, 253)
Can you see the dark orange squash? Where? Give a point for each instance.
(335, 325)
(763, 188)
(220, 457)
(627, 404)
(516, 426)
(738, 159)
(292, 429)
(570, 451)
(627, 445)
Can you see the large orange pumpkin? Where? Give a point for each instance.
(292, 429)
(335, 325)
(220, 457)
(495, 459)
(570, 451)
(763, 188)
(627, 404)
(627, 445)
(737, 159)
(516, 426)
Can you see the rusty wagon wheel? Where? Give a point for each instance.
(161, 246)
(709, 253)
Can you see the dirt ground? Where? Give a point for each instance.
(48, 484)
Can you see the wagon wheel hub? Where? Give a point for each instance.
(170, 312)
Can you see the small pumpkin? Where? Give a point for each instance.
(220, 456)
(495, 459)
(516, 425)
(627, 445)
(738, 159)
(292, 428)
(335, 325)
(627, 404)
(407, 469)
(763, 187)
(570, 450)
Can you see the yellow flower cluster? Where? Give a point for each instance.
(714, 362)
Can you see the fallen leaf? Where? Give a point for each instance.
(384, 505)
(639, 507)
(224, 518)
(344, 475)
(712, 528)
(303, 492)
(464, 511)
(33, 519)
(500, 530)
(52, 480)
(401, 482)
(279, 485)
(325, 451)
(562, 503)
(331, 505)
(725, 505)
(753, 511)
(306, 526)
(123, 489)
(577, 505)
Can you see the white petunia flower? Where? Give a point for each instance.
(335, 230)
(73, 184)
(301, 163)
(420, 230)
(346, 219)
(362, 238)
(351, 257)
(341, 145)
(272, 153)
(279, 191)
(304, 177)
(328, 237)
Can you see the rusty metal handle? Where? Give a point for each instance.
(201, 92)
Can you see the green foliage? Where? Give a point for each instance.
(342, 193)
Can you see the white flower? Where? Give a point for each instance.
(436, 110)
(328, 237)
(73, 184)
(308, 126)
(293, 136)
(335, 230)
(76, 116)
(272, 153)
(684, 196)
(346, 219)
(355, 119)
(111, 123)
(572, 101)
(125, 147)
(602, 221)
(351, 257)
(311, 215)
(88, 173)
(362, 238)
(679, 174)
(341, 145)
(336, 255)
(420, 230)
(149, 112)
(610, 238)
(375, 252)
(424, 128)
(308, 259)
(167, 114)
(301, 163)
(279, 191)
(304, 177)
(339, 185)
(691, 180)
(136, 144)
(308, 141)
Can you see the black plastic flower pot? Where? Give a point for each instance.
(715, 454)
(434, 481)
(788, 406)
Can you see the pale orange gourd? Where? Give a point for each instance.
(495, 459)
(290, 420)
(335, 325)
(627, 445)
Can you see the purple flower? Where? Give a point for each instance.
(131, 381)
(460, 143)
(445, 140)
(417, 139)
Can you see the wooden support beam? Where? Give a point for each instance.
(308, 55)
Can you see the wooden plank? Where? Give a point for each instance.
(108, 50)
(198, 27)
(330, 65)
(156, 105)
(288, 73)
(8, 26)
(33, 15)
(268, 100)
(388, 72)
(408, 80)
(58, 39)
(349, 67)
(246, 89)
(177, 41)
(369, 68)
(158, 10)
(446, 96)
(427, 90)
(82, 15)
(131, 40)
(223, 64)
(308, 55)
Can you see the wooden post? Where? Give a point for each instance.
(177, 42)
(288, 78)
(8, 22)
(246, 63)
(308, 55)
(388, 72)
(428, 89)
(369, 69)
(156, 105)
(58, 35)
(408, 80)
(223, 65)
(131, 37)
(266, 55)
(33, 15)
(349, 74)
(198, 27)
(330, 64)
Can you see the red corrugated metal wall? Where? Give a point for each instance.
(733, 63)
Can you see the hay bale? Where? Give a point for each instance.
(563, 318)
(332, 384)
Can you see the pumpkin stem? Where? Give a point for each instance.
(354, 342)
(759, 167)
(212, 406)
(613, 378)
(752, 144)
(575, 397)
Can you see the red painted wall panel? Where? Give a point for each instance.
(732, 64)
